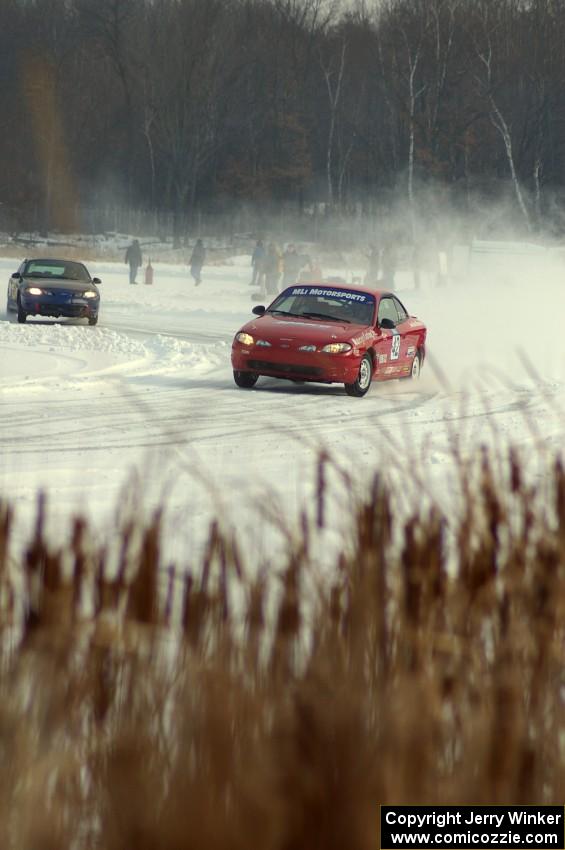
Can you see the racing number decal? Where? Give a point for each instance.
(395, 350)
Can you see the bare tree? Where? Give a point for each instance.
(406, 25)
(188, 88)
(333, 78)
(489, 77)
(112, 24)
(43, 80)
(175, 102)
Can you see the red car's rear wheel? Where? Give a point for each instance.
(416, 366)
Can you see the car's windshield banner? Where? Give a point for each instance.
(338, 294)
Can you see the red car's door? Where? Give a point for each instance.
(391, 357)
(408, 339)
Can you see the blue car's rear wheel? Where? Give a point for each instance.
(93, 320)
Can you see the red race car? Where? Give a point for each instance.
(330, 332)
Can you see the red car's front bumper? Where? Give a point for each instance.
(296, 365)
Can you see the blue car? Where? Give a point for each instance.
(53, 288)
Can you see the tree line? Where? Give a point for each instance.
(182, 105)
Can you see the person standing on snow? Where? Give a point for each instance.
(373, 266)
(292, 264)
(133, 259)
(197, 260)
(273, 268)
(312, 271)
(389, 263)
(258, 263)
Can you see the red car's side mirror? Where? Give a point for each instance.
(387, 324)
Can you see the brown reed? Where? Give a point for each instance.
(429, 670)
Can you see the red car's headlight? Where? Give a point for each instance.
(244, 339)
(337, 348)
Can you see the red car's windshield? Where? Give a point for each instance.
(327, 303)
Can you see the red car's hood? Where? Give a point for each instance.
(316, 331)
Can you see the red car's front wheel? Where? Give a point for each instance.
(246, 380)
(363, 381)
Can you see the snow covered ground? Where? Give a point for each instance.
(143, 407)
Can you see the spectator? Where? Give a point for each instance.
(417, 263)
(389, 261)
(273, 268)
(442, 268)
(258, 263)
(197, 260)
(133, 259)
(291, 265)
(373, 266)
(311, 272)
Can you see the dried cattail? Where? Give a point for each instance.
(321, 484)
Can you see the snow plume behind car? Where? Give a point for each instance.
(488, 325)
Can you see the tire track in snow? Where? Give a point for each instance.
(133, 421)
